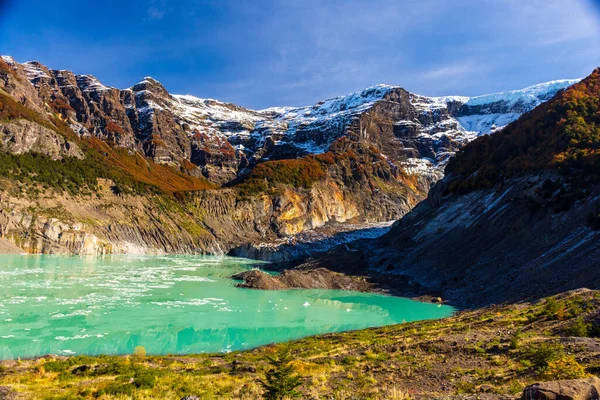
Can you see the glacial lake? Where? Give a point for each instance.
(170, 305)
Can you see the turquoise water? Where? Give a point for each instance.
(172, 304)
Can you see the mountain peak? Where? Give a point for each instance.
(150, 84)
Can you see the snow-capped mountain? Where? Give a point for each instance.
(414, 132)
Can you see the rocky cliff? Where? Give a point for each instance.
(92, 169)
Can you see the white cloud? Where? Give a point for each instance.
(157, 9)
(449, 71)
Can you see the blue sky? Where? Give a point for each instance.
(262, 53)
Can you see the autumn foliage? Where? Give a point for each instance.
(11, 109)
(562, 134)
(113, 128)
(61, 106)
(132, 169)
(299, 173)
(129, 170)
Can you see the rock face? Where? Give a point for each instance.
(23, 136)
(495, 245)
(576, 389)
(215, 221)
(224, 141)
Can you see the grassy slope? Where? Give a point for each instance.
(499, 350)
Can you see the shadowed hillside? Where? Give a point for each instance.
(516, 217)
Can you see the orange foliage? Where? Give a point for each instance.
(108, 162)
(60, 106)
(11, 109)
(114, 128)
(325, 158)
(166, 178)
(187, 165)
(298, 173)
(563, 133)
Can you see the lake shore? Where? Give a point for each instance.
(484, 354)
(171, 305)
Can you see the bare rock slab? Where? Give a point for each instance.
(575, 389)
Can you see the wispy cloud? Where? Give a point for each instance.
(157, 9)
(296, 52)
(451, 71)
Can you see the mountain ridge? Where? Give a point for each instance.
(250, 136)
(230, 176)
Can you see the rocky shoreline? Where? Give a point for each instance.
(320, 278)
(297, 248)
(324, 278)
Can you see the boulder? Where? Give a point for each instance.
(7, 393)
(575, 389)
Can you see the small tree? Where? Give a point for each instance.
(281, 382)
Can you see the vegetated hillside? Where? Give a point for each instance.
(491, 353)
(516, 216)
(562, 134)
(59, 158)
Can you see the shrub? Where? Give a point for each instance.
(579, 328)
(515, 340)
(116, 389)
(60, 106)
(325, 158)
(139, 351)
(280, 381)
(565, 367)
(112, 127)
(56, 366)
(551, 309)
(541, 355)
(145, 379)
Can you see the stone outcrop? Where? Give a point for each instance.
(575, 389)
(319, 278)
(22, 136)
